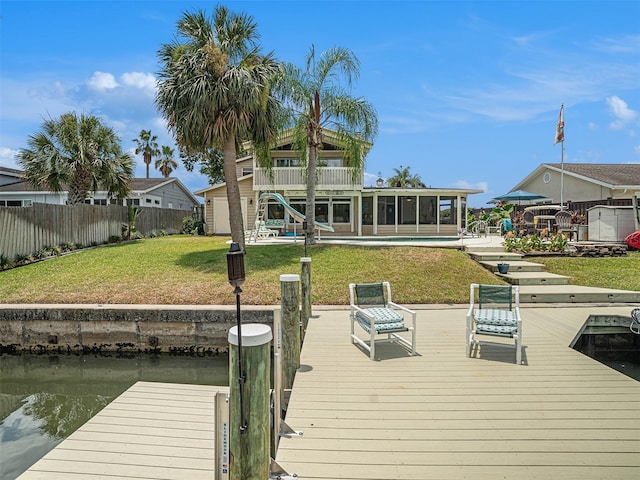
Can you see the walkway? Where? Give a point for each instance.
(441, 415)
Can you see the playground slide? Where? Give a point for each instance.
(292, 211)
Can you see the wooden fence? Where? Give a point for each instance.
(25, 230)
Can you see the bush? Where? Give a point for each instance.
(556, 242)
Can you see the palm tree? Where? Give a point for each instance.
(314, 101)
(403, 178)
(166, 164)
(147, 145)
(214, 91)
(77, 154)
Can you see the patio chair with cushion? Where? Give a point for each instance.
(494, 310)
(373, 309)
(264, 232)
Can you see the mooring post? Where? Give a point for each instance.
(305, 286)
(290, 307)
(249, 443)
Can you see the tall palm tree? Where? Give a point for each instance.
(315, 99)
(403, 178)
(214, 91)
(77, 154)
(147, 145)
(166, 164)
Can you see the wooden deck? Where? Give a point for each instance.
(442, 415)
(152, 431)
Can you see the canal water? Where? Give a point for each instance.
(45, 398)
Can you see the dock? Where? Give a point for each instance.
(441, 415)
(152, 431)
(437, 415)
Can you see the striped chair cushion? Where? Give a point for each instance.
(386, 320)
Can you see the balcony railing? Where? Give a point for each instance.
(293, 178)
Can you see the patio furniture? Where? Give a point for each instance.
(563, 224)
(494, 310)
(264, 232)
(373, 309)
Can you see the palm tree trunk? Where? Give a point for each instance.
(233, 191)
(310, 210)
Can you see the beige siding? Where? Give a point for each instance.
(575, 189)
(246, 191)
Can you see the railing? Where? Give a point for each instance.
(292, 178)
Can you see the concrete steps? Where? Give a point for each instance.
(538, 286)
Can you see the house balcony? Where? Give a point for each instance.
(293, 178)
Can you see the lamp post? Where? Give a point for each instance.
(235, 270)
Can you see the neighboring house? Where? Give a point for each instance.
(9, 175)
(349, 208)
(146, 192)
(584, 182)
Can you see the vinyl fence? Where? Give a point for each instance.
(25, 230)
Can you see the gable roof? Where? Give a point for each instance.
(610, 175)
(11, 172)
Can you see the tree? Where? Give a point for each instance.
(214, 90)
(211, 163)
(315, 100)
(166, 164)
(403, 179)
(147, 145)
(77, 154)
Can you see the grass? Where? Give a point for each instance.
(185, 270)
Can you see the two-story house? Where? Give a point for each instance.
(349, 208)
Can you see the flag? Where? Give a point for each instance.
(560, 127)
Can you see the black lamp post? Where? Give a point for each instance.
(235, 270)
(304, 227)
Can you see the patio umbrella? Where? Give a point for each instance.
(518, 195)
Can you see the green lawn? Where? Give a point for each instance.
(192, 270)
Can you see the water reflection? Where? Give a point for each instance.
(43, 399)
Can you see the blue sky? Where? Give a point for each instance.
(467, 93)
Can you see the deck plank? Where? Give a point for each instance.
(443, 415)
(152, 431)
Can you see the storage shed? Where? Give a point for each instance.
(610, 223)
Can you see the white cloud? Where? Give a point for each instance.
(143, 81)
(7, 157)
(636, 149)
(621, 111)
(101, 81)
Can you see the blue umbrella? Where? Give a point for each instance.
(518, 195)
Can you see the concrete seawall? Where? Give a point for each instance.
(158, 328)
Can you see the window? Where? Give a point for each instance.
(342, 212)
(287, 162)
(367, 211)
(156, 202)
(275, 211)
(386, 210)
(330, 162)
(247, 171)
(133, 201)
(99, 201)
(147, 200)
(427, 210)
(11, 203)
(448, 211)
(407, 210)
(322, 211)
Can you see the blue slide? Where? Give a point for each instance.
(292, 211)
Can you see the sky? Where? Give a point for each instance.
(467, 94)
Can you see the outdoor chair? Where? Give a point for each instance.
(373, 309)
(264, 232)
(494, 310)
(563, 224)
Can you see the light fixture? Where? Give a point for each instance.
(235, 271)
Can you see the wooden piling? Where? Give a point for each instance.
(290, 307)
(249, 450)
(305, 287)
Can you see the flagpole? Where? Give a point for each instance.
(560, 139)
(562, 174)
